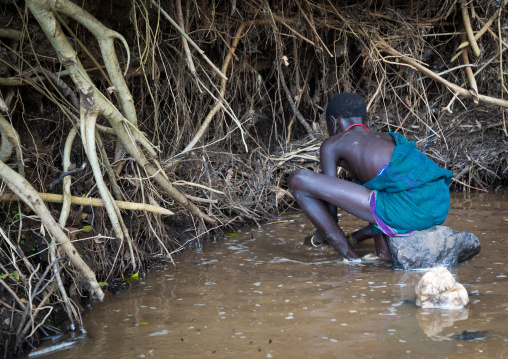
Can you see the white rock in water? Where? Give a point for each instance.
(435, 281)
(438, 289)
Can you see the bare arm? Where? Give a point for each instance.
(329, 159)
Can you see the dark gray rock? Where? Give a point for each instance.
(433, 247)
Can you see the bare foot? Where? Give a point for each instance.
(314, 240)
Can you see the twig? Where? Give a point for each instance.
(313, 27)
(186, 49)
(455, 97)
(95, 202)
(467, 27)
(180, 30)
(504, 125)
(479, 34)
(501, 74)
(283, 79)
(451, 86)
(107, 167)
(292, 103)
(290, 28)
(462, 173)
(469, 73)
(70, 310)
(181, 182)
(299, 99)
(199, 199)
(218, 104)
(10, 307)
(11, 34)
(16, 298)
(450, 70)
(59, 83)
(15, 247)
(464, 184)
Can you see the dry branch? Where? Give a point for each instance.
(222, 91)
(184, 34)
(469, 30)
(384, 47)
(469, 73)
(188, 54)
(479, 34)
(95, 202)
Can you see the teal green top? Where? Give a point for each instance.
(412, 192)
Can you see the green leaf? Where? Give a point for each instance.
(135, 276)
(231, 234)
(16, 217)
(12, 274)
(87, 229)
(53, 327)
(102, 284)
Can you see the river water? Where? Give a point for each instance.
(261, 294)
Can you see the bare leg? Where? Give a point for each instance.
(315, 192)
(362, 234)
(382, 247)
(380, 241)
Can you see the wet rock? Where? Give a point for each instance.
(438, 289)
(436, 246)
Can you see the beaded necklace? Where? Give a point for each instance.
(357, 124)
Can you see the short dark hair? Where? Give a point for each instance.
(346, 105)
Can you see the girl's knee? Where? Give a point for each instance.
(296, 180)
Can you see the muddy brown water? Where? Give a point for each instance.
(261, 294)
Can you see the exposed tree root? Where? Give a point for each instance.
(96, 202)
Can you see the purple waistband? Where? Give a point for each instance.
(385, 228)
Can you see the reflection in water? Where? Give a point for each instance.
(262, 294)
(433, 321)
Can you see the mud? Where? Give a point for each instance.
(261, 294)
